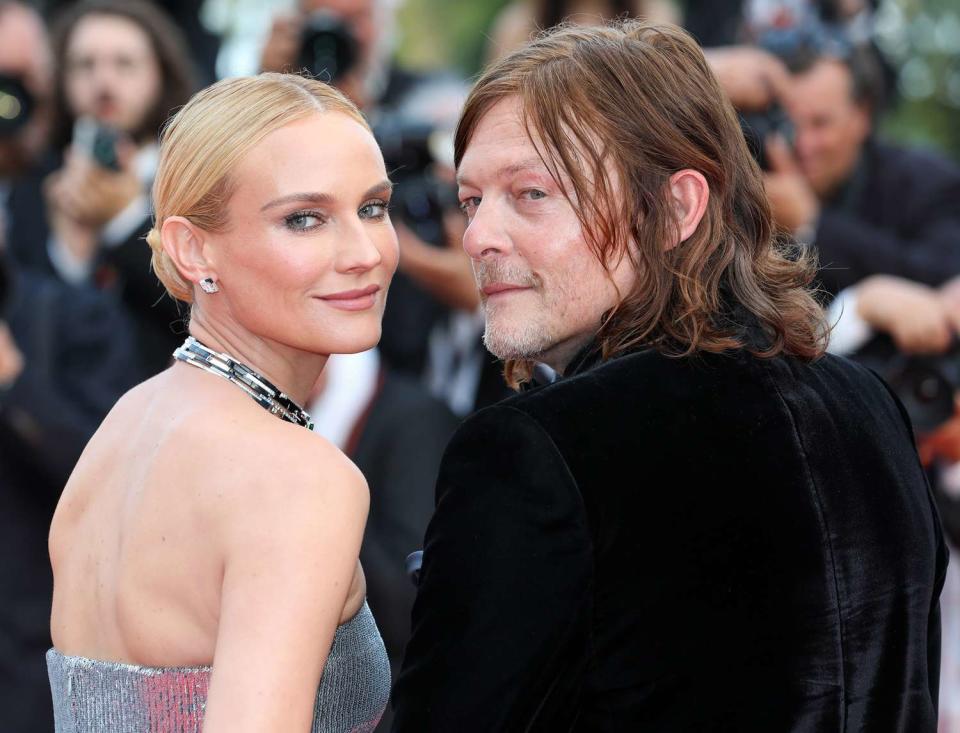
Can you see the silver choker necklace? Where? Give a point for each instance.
(270, 398)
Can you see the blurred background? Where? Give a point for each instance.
(858, 142)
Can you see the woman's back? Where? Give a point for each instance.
(139, 556)
(145, 503)
(199, 529)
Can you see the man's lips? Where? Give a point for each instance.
(496, 288)
(359, 299)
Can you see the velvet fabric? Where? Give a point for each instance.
(713, 543)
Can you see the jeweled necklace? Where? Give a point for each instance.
(270, 398)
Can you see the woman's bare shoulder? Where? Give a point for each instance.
(259, 466)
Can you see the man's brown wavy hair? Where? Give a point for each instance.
(621, 108)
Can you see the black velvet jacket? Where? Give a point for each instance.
(714, 543)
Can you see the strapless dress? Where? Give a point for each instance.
(91, 696)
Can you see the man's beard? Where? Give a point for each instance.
(524, 334)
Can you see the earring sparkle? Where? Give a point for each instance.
(209, 285)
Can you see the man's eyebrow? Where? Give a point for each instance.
(324, 198)
(523, 166)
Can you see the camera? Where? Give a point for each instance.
(925, 384)
(16, 105)
(419, 197)
(758, 127)
(328, 48)
(98, 141)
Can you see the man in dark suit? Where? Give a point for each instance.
(65, 358)
(869, 207)
(705, 524)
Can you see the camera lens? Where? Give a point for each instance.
(15, 105)
(328, 50)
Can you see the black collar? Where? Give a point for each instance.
(589, 356)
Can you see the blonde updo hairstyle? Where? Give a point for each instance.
(202, 144)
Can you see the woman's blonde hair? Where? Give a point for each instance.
(202, 144)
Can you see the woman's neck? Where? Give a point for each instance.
(292, 371)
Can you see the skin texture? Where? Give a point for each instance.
(543, 290)
(197, 528)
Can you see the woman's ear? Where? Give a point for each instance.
(689, 194)
(184, 244)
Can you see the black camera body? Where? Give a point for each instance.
(98, 141)
(420, 199)
(925, 384)
(758, 127)
(16, 105)
(328, 48)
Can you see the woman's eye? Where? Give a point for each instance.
(374, 210)
(535, 194)
(303, 221)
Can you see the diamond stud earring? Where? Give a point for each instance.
(209, 285)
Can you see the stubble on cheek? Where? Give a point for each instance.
(517, 325)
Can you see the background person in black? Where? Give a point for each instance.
(705, 524)
(867, 206)
(122, 66)
(25, 60)
(65, 357)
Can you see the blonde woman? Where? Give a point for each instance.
(205, 548)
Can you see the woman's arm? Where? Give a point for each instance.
(291, 538)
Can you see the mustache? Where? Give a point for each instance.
(487, 272)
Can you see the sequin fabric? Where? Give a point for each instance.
(91, 696)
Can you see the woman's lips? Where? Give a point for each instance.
(353, 300)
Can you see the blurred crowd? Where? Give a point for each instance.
(86, 86)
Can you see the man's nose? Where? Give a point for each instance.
(486, 234)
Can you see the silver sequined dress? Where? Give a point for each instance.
(91, 696)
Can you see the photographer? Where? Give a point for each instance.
(25, 88)
(121, 70)
(65, 358)
(867, 206)
(345, 42)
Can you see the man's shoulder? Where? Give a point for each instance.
(646, 372)
(924, 164)
(731, 386)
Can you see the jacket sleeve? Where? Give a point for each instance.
(917, 196)
(500, 623)
(931, 256)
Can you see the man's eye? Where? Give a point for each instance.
(469, 204)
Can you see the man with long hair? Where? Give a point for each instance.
(122, 68)
(705, 523)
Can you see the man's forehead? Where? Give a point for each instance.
(500, 145)
(506, 170)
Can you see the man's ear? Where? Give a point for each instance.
(689, 194)
(184, 244)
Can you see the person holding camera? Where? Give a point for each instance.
(26, 82)
(65, 357)
(868, 207)
(121, 70)
(345, 42)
